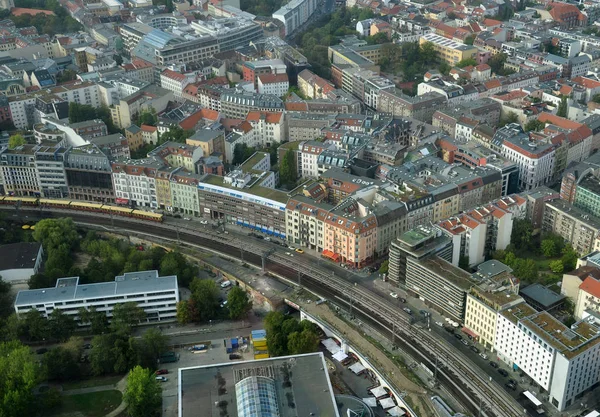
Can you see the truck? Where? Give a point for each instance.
(168, 357)
(198, 348)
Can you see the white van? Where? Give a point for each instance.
(162, 378)
(225, 284)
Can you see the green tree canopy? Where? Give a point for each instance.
(61, 364)
(97, 320)
(20, 375)
(466, 62)
(285, 335)
(151, 345)
(61, 326)
(534, 125)
(288, 174)
(204, 300)
(305, 341)
(143, 394)
(15, 141)
(521, 234)
(238, 303)
(563, 107)
(125, 316)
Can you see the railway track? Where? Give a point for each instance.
(370, 306)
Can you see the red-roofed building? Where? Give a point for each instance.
(588, 297)
(313, 86)
(174, 81)
(567, 15)
(20, 11)
(149, 134)
(276, 84)
(140, 69)
(197, 119)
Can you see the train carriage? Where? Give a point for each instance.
(147, 215)
(119, 211)
(49, 202)
(81, 205)
(26, 201)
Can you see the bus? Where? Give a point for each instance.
(533, 403)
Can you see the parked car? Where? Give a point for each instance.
(235, 356)
(474, 349)
(439, 323)
(299, 250)
(510, 386)
(493, 364)
(408, 310)
(187, 218)
(162, 378)
(459, 337)
(162, 372)
(449, 329)
(203, 221)
(502, 372)
(291, 247)
(41, 351)
(403, 300)
(464, 342)
(224, 303)
(393, 295)
(483, 355)
(267, 239)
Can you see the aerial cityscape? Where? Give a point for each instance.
(270, 208)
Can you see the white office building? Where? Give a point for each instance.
(564, 361)
(158, 296)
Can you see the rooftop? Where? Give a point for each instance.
(18, 255)
(308, 391)
(68, 289)
(542, 295)
(269, 193)
(457, 276)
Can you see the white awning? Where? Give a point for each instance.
(370, 401)
(378, 392)
(340, 356)
(331, 346)
(357, 368)
(396, 412)
(387, 403)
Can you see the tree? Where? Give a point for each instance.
(569, 258)
(444, 68)
(40, 281)
(563, 107)
(238, 303)
(81, 112)
(66, 76)
(596, 98)
(53, 233)
(427, 52)
(61, 326)
(510, 259)
(534, 125)
(466, 62)
(557, 266)
(152, 344)
(378, 39)
(522, 231)
(526, 270)
(125, 316)
(463, 263)
(511, 117)
(148, 117)
(204, 299)
(305, 341)
(287, 168)
(96, 319)
(385, 265)
(496, 62)
(61, 364)
(16, 141)
(20, 375)
(118, 59)
(112, 352)
(5, 299)
(143, 394)
(241, 152)
(183, 312)
(469, 40)
(36, 325)
(549, 249)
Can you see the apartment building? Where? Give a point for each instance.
(307, 126)
(157, 296)
(89, 174)
(18, 172)
(274, 84)
(400, 105)
(135, 182)
(50, 167)
(313, 86)
(184, 192)
(178, 155)
(295, 14)
(535, 158)
(587, 196)
(574, 225)
(448, 50)
(478, 232)
(237, 104)
(174, 81)
(496, 290)
(253, 69)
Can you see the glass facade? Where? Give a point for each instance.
(256, 397)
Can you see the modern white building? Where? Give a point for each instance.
(563, 361)
(174, 81)
(158, 296)
(295, 14)
(19, 261)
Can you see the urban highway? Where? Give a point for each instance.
(454, 370)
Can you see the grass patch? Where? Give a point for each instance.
(93, 382)
(93, 404)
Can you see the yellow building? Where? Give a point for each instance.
(134, 137)
(448, 50)
(163, 188)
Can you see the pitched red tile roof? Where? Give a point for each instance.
(173, 75)
(148, 128)
(273, 78)
(591, 286)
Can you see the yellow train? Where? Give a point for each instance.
(82, 206)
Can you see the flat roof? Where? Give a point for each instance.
(542, 295)
(19, 255)
(68, 289)
(309, 391)
(457, 276)
(258, 190)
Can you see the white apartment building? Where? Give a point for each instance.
(268, 127)
(295, 14)
(276, 84)
(563, 361)
(535, 160)
(158, 296)
(135, 182)
(304, 222)
(184, 193)
(174, 81)
(18, 172)
(309, 154)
